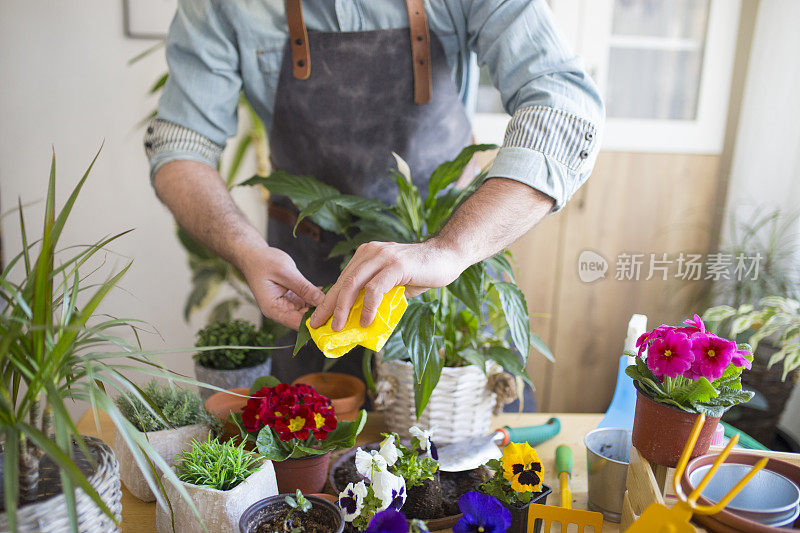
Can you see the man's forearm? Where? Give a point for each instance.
(202, 205)
(497, 214)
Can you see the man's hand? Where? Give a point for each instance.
(377, 267)
(282, 293)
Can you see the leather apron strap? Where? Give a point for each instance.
(420, 46)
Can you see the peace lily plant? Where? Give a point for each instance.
(481, 316)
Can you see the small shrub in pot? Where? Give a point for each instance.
(182, 419)
(222, 480)
(292, 513)
(244, 356)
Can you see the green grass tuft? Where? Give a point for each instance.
(215, 464)
(180, 407)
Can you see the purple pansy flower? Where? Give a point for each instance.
(388, 521)
(670, 355)
(482, 514)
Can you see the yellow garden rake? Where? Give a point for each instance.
(659, 518)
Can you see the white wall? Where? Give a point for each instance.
(766, 162)
(66, 84)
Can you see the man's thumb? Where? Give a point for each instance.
(310, 293)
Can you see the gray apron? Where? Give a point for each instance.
(344, 102)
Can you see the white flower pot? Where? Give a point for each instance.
(460, 406)
(229, 379)
(167, 442)
(219, 509)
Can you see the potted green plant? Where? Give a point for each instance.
(772, 327)
(286, 512)
(516, 482)
(222, 479)
(55, 349)
(296, 427)
(455, 336)
(234, 365)
(681, 371)
(183, 419)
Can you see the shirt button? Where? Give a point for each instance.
(584, 154)
(148, 145)
(588, 136)
(150, 129)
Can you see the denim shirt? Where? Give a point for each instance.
(216, 49)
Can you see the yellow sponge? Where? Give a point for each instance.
(337, 343)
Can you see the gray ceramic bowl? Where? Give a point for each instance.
(769, 497)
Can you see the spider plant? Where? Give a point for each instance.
(481, 316)
(55, 347)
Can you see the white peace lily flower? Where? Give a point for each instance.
(351, 500)
(388, 450)
(390, 490)
(368, 463)
(423, 435)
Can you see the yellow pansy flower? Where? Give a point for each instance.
(337, 343)
(522, 467)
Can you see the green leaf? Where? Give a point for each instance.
(515, 310)
(426, 382)
(206, 282)
(270, 446)
(223, 311)
(473, 357)
(696, 391)
(303, 335)
(450, 171)
(540, 346)
(468, 287)
(509, 360)
(416, 329)
(344, 436)
(264, 381)
(501, 264)
(394, 349)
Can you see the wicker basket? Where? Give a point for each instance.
(460, 406)
(50, 515)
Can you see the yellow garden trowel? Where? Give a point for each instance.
(565, 514)
(659, 518)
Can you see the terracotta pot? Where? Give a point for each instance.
(346, 392)
(307, 474)
(222, 404)
(255, 517)
(726, 521)
(660, 431)
(519, 515)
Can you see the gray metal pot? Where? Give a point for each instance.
(229, 379)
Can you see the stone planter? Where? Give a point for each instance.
(168, 443)
(307, 474)
(219, 509)
(346, 392)
(257, 516)
(460, 406)
(660, 431)
(230, 379)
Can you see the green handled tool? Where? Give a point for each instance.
(472, 453)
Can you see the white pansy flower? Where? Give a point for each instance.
(423, 435)
(390, 490)
(388, 450)
(368, 463)
(351, 500)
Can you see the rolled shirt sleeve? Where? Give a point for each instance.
(197, 109)
(553, 138)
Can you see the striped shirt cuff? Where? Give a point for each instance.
(551, 150)
(166, 141)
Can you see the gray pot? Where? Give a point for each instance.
(229, 379)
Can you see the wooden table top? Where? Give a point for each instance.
(139, 517)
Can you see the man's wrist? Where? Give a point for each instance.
(449, 252)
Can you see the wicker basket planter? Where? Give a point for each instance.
(220, 509)
(168, 443)
(460, 406)
(50, 515)
(230, 379)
